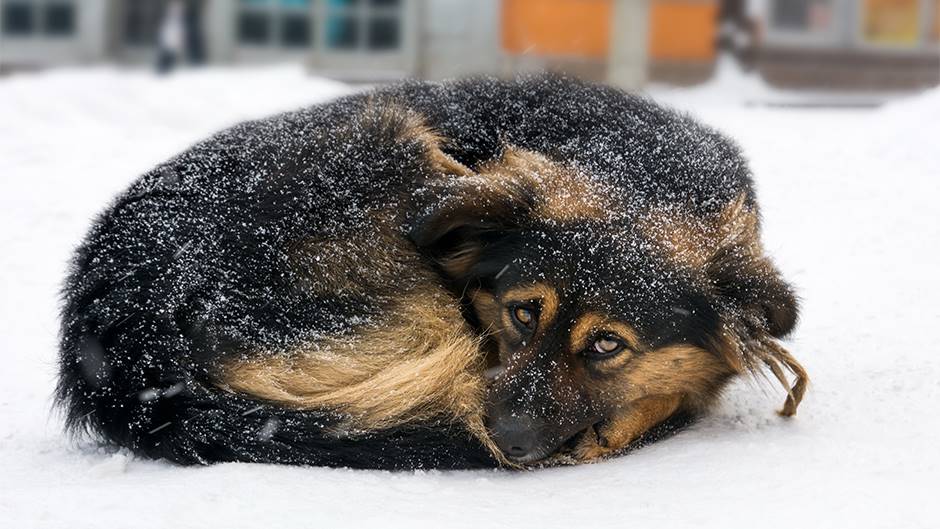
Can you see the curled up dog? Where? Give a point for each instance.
(456, 275)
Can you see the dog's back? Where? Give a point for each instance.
(206, 258)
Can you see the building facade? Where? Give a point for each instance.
(829, 43)
(353, 39)
(849, 43)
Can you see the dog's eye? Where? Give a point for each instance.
(524, 316)
(605, 347)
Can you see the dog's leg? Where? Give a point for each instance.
(616, 433)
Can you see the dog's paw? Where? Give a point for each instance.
(592, 446)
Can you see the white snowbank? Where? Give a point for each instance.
(850, 213)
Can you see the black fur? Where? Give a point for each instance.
(189, 265)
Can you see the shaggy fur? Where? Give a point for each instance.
(330, 286)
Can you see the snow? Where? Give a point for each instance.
(848, 197)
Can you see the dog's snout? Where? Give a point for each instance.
(517, 436)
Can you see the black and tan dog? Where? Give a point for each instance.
(457, 275)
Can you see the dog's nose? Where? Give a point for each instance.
(516, 436)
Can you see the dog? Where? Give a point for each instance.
(470, 274)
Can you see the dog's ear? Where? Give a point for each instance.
(461, 216)
(741, 272)
(762, 305)
(727, 251)
(394, 124)
(455, 212)
(756, 289)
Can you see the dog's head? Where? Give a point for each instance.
(590, 302)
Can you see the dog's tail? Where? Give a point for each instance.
(131, 375)
(161, 410)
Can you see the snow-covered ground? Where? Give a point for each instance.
(850, 201)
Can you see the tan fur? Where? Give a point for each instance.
(774, 355)
(359, 262)
(459, 262)
(421, 362)
(694, 241)
(618, 432)
(544, 294)
(518, 186)
(591, 323)
(563, 193)
(651, 387)
(412, 126)
(739, 225)
(682, 369)
(487, 309)
(417, 129)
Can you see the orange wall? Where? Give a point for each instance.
(935, 29)
(679, 30)
(936, 22)
(683, 30)
(892, 21)
(556, 27)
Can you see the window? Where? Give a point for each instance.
(268, 22)
(17, 18)
(53, 18)
(60, 18)
(295, 29)
(342, 31)
(142, 21)
(891, 22)
(254, 27)
(805, 16)
(383, 33)
(372, 25)
(346, 25)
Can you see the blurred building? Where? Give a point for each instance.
(849, 43)
(368, 39)
(837, 43)
(582, 36)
